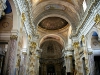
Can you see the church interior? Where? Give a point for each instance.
(49, 37)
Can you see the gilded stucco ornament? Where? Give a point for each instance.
(97, 18)
(83, 39)
(23, 17)
(25, 8)
(18, 61)
(29, 37)
(33, 44)
(76, 44)
(14, 37)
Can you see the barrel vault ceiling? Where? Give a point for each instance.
(50, 17)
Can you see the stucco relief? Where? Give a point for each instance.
(6, 23)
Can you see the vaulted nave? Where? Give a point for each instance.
(49, 37)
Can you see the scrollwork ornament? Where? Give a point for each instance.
(14, 37)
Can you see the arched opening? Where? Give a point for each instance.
(95, 45)
(6, 21)
(51, 60)
(6, 24)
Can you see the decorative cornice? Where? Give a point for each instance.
(70, 49)
(68, 54)
(90, 51)
(90, 12)
(25, 7)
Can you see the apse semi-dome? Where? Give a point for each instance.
(53, 23)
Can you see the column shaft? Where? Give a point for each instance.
(12, 55)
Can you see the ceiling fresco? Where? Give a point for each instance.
(53, 23)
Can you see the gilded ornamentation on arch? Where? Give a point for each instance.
(97, 18)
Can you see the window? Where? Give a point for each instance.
(84, 5)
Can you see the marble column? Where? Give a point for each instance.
(91, 61)
(12, 55)
(32, 58)
(69, 65)
(18, 64)
(38, 52)
(76, 57)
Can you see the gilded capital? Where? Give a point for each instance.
(97, 18)
(76, 44)
(33, 44)
(13, 37)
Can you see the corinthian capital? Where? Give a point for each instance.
(13, 37)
